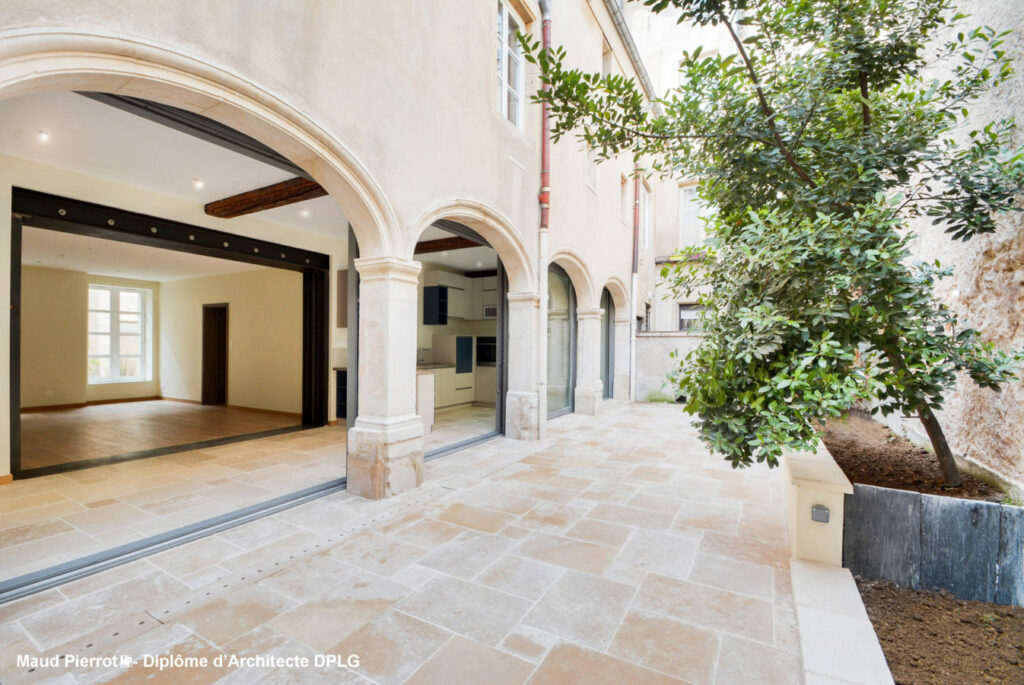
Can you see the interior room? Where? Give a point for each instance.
(457, 342)
(128, 349)
(118, 438)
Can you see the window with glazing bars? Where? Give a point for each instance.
(118, 331)
(510, 65)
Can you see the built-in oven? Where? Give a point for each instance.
(486, 350)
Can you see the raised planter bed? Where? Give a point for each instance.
(972, 549)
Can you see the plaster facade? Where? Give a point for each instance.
(393, 109)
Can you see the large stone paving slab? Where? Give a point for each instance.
(616, 550)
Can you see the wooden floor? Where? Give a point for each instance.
(68, 435)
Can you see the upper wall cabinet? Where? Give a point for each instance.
(456, 296)
(435, 305)
(448, 295)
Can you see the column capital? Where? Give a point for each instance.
(394, 268)
(524, 297)
(589, 313)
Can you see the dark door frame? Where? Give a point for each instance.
(502, 352)
(53, 212)
(204, 393)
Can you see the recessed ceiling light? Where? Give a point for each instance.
(479, 264)
(304, 213)
(444, 254)
(43, 136)
(197, 183)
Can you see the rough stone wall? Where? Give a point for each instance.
(987, 289)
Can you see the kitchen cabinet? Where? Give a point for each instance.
(483, 295)
(341, 393)
(454, 289)
(489, 291)
(444, 387)
(455, 385)
(435, 305)
(484, 388)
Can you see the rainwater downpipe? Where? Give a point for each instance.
(634, 282)
(544, 199)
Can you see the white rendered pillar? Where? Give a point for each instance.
(522, 406)
(589, 389)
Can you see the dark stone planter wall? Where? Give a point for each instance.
(975, 550)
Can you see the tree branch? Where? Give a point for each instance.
(765, 107)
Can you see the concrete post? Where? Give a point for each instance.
(385, 446)
(522, 405)
(589, 390)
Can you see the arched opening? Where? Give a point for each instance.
(461, 337)
(615, 327)
(561, 340)
(41, 65)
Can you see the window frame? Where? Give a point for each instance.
(694, 326)
(114, 334)
(698, 230)
(505, 12)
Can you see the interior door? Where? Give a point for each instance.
(215, 354)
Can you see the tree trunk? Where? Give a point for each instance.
(950, 472)
(949, 469)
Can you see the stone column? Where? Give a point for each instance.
(620, 386)
(589, 393)
(522, 406)
(385, 446)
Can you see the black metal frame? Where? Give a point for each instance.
(53, 212)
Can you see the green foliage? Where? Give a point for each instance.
(815, 143)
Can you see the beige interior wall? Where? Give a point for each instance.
(264, 337)
(54, 321)
(54, 340)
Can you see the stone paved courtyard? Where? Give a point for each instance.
(616, 550)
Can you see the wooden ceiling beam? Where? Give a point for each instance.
(259, 200)
(444, 244)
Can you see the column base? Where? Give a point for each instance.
(522, 418)
(588, 401)
(385, 459)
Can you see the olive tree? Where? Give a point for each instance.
(817, 141)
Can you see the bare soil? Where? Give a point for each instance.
(933, 637)
(871, 454)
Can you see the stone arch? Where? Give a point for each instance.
(620, 295)
(586, 295)
(47, 60)
(494, 227)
